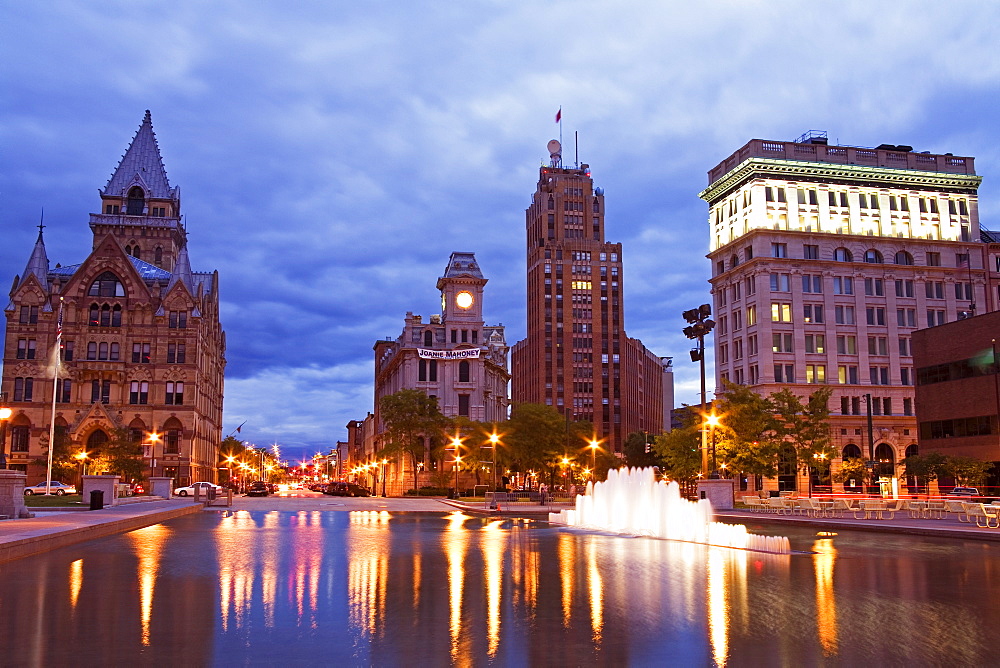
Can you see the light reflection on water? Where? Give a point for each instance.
(370, 588)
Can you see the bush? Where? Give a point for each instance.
(427, 491)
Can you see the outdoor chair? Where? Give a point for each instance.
(810, 507)
(777, 505)
(957, 508)
(984, 517)
(841, 507)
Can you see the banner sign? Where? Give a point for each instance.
(470, 353)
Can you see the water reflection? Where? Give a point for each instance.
(380, 589)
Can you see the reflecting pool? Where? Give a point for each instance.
(370, 588)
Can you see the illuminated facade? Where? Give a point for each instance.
(142, 346)
(454, 357)
(576, 356)
(825, 261)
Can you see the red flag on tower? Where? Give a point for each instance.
(559, 115)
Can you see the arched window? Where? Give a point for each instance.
(19, 436)
(873, 257)
(102, 351)
(597, 205)
(128, 250)
(106, 285)
(95, 315)
(902, 257)
(136, 201)
(885, 460)
(116, 352)
(116, 316)
(463, 372)
(843, 255)
(106, 315)
(158, 255)
(92, 350)
(172, 436)
(95, 442)
(851, 451)
(428, 338)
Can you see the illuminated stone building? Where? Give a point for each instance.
(577, 356)
(142, 346)
(453, 356)
(825, 261)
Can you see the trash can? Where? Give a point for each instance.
(96, 499)
(211, 493)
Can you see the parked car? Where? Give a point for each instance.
(345, 489)
(258, 488)
(964, 491)
(58, 488)
(202, 488)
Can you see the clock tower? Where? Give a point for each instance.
(462, 291)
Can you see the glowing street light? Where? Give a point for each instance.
(594, 443)
(712, 421)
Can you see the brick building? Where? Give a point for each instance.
(142, 346)
(577, 356)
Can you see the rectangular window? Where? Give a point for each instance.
(810, 252)
(781, 283)
(906, 317)
(878, 345)
(751, 286)
(879, 375)
(812, 313)
(815, 373)
(905, 376)
(23, 388)
(738, 349)
(781, 343)
(843, 285)
(737, 320)
(907, 406)
(812, 283)
(875, 315)
(886, 405)
(784, 373)
(29, 315)
(26, 349)
(64, 391)
(904, 346)
(176, 353)
(847, 344)
(963, 291)
(904, 288)
(172, 442)
(175, 394)
(934, 289)
(781, 312)
(847, 374)
(67, 351)
(751, 315)
(752, 345)
(463, 405)
(933, 259)
(138, 392)
(844, 315)
(177, 320)
(779, 250)
(140, 353)
(815, 343)
(935, 317)
(874, 287)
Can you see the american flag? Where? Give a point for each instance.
(59, 321)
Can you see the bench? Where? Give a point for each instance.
(984, 517)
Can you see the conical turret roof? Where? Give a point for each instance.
(38, 263)
(141, 164)
(182, 271)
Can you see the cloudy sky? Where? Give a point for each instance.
(331, 155)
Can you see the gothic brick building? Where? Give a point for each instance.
(142, 346)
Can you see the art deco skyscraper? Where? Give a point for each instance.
(576, 356)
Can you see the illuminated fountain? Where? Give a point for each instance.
(632, 502)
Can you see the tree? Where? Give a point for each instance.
(968, 471)
(747, 433)
(678, 449)
(853, 468)
(64, 465)
(411, 417)
(926, 468)
(637, 450)
(123, 455)
(806, 427)
(537, 436)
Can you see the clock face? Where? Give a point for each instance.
(464, 299)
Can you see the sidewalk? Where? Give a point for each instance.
(51, 529)
(902, 523)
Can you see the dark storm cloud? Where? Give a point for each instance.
(331, 155)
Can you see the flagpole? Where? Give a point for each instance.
(560, 135)
(55, 389)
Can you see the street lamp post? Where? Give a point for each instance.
(494, 440)
(713, 421)
(384, 462)
(700, 325)
(82, 458)
(153, 438)
(5, 414)
(593, 456)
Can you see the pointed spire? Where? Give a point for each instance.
(182, 271)
(38, 263)
(141, 165)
